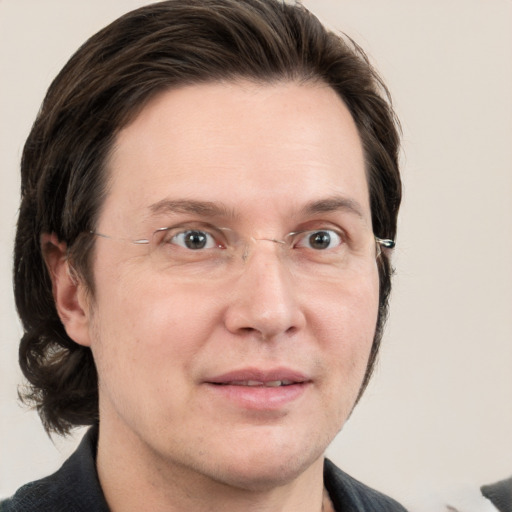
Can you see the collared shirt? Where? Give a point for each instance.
(75, 488)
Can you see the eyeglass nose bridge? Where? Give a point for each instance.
(245, 253)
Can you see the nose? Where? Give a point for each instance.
(264, 300)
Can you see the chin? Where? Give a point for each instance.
(266, 468)
(270, 458)
(265, 477)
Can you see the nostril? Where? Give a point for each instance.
(267, 334)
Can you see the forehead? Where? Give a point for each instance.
(247, 146)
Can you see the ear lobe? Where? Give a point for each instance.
(69, 292)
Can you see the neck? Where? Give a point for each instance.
(134, 478)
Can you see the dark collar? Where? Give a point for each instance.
(349, 495)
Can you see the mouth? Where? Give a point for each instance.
(255, 377)
(259, 390)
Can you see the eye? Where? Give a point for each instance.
(193, 239)
(320, 240)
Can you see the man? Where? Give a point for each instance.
(209, 200)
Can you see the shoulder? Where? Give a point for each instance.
(39, 495)
(349, 494)
(73, 488)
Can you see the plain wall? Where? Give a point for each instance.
(437, 417)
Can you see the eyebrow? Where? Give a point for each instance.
(203, 208)
(333, 204)
(211, 209)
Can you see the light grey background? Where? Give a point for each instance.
(436, 421)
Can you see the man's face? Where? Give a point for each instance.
(189, 355)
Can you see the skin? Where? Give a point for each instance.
(169, 438)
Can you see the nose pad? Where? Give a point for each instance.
(264, 299)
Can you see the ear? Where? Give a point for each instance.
(69, 292)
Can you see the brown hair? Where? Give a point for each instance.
(108, 80)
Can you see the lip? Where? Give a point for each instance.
(258, 389)
(256, 374)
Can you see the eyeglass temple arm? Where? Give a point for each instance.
(385, 242)
(141, 241)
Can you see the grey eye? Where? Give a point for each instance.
(320, 240)
(194, 240)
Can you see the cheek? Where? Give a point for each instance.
(143, 347)
(346, 322)
(349, 310)
(153, 322)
